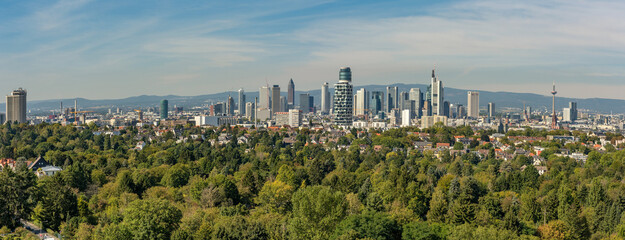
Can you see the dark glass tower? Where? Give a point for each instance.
(164, 109)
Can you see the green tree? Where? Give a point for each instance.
(371, 225)
(16, 191)
(316, 212)
(151, 219)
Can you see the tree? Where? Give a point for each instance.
(16, 190)
(372, 225)
(424, 231)
(316, 211)
(237, 227)
(438, 206)
(151, 219)
(176, 176)
(57, 203)
(276, 196)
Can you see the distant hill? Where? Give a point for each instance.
(453, 95)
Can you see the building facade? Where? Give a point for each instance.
(473, 104)
(16, 106)
(325, 99)
(344, 98)
(164, 109)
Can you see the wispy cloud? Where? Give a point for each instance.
(60, 14)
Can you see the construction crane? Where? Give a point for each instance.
(76, 115)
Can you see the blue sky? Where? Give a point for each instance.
(116, 49)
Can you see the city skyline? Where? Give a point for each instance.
(54, 50)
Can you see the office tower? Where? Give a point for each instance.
(275, 99)
(2, 118)
(290, 94)
(249, 110)
(16, 106)
(567, 114)
(304, 102)
(462, 111)
(263, 97)
(325, 99)
(230, 106)
(392, 98)
(427, 109)
(416, 96)
(554, 118)
(436, 95)
(362, 102)
(343, 98)
(241, 103)
(446, 109)
(491, 109)
(311, 103)
(284, 106)
(473, 104)
(573, 107)
(376, 105)
(402, 103)
(164, 109)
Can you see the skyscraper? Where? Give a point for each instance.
(325, 99)
(573, 107)
(362, 102)
(263, 97)
(275, 99)
(436, 95)
(290, 94)
(491, 109)
(16, 106)
(241, 104)
(249, 111)
(304, 102)
(377, 102)
(164, 109)
(343, 98)
(416, 96)
(230, 106)
(473, 104)
(392, 98)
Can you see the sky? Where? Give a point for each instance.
(116, 49)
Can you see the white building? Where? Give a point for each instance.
(405, 117)
(473, 104)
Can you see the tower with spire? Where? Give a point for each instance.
(554, 117)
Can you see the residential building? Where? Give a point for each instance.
(343, 98)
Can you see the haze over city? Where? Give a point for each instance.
(116, 49)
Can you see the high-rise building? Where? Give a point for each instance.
(275, 99)
(473, 104)
(304, 102)
(16, 106)
(284, 106)
(230, 106)
(446, 110)
(343, 98)
(376, 104)
(241, 103)
(491, 109)
(290, 94)
(264, 98)
(325, 98)
(392, 98)
(295, 117)
(362, 102)
(416, 96)
(436, 95)
(164, 109)
(311, 103)
(249, 111)
(573, 107)
(3, 118)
